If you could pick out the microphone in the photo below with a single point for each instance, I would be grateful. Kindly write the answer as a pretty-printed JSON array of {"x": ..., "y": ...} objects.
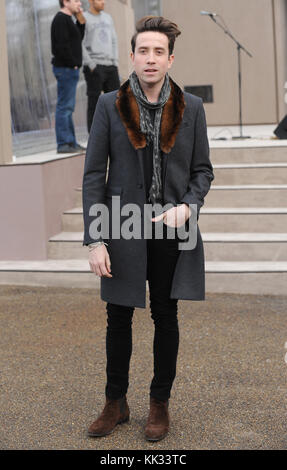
[{"x": 208, "y": 13}]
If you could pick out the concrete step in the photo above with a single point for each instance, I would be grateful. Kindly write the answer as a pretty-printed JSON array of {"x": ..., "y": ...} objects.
[
  {"x": 78, "y": 202},
  {"x": 62, "y": 273},
  {"x": 72, "y": 220},
  {"x": 246, "y": 277},
  {"x": 236, "y": 195},
  {"x": 260, "y": 195},
  {"x": 67, "y": 245},
  {"x": 249, "y": 173},
  {"x": 213, "y": 219},
  {"x": 249, "y": 152},
  {"x": 243, "y": 219},
  {"x": 238, "y": 277},
  {"x": 245, "y": 246},
  {"x": 217, "y": 246}
]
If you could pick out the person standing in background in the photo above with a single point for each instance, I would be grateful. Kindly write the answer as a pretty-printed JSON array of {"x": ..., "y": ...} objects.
[
  {"x": 66, "y": 42},
  {"x": 100, "y": 55}
]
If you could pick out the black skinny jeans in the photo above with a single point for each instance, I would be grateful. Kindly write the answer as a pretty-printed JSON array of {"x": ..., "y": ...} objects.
[
  {"x": 103, "y": 78},
  {"x": 161, "y": 260}
]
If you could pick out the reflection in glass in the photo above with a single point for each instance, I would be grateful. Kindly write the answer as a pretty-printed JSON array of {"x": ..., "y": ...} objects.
[{"x": 33, "y": 87}]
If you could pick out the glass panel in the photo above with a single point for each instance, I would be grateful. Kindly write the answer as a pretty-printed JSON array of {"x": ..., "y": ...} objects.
[
  {"x": 33, "y": 86},
  {"x": 146, "y": 7}
]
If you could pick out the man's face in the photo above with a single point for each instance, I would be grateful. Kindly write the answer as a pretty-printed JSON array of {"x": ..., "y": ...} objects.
[
  {"x": 74, "y": 6},
  {"x": 150, "y": 59},
  {"x": 98, "y": 5}
]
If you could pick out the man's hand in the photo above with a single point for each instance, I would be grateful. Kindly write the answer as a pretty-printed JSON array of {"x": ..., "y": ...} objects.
[
  {"x": 99, "y": 260},
  {"x": 174, "y": 217},
  {"x": 80, "y": 17}
]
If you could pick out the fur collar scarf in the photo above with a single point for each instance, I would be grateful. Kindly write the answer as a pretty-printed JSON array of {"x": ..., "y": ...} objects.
[{"x": 172, "y": 115}]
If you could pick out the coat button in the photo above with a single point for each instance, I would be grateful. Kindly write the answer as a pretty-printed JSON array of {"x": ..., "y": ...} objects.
[{"x": 140, "y": 185}]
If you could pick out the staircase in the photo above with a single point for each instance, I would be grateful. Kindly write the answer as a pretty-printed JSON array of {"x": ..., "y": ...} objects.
[
  {"x": 244, "y": 221},
  {"x": 243, "y": 225}
]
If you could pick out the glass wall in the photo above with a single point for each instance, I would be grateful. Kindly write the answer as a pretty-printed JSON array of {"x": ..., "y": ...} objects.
[
  {"x": 33, "y": 87},
  {"x": 146, "y": 7}
]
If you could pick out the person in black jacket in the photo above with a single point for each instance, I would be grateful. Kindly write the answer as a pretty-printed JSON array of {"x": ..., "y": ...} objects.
[
  {"x": 147, "y": 152},
  {"x": 66, "y": 41}
]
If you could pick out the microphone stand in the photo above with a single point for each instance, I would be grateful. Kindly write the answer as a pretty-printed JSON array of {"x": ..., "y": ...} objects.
[{"x": 239, "y": 47}]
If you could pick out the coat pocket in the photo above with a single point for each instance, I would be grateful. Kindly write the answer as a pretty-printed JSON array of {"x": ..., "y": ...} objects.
[
  {"x": 113, "y": 191},
  {"x": 185, "y": 128}
]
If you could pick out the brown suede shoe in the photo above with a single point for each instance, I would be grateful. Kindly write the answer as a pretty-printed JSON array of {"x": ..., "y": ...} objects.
[
  {"x": 115, "y": 412},
  {"x": 157, "y": 425}
]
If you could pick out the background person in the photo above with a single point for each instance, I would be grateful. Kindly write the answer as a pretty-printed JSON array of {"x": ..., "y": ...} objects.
[
  {"x": 66, "y": 42},
  {"x": 100, "y": 55}
]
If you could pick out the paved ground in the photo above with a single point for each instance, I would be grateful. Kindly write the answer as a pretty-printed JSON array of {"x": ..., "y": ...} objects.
[{"x": 230, "y": 390}]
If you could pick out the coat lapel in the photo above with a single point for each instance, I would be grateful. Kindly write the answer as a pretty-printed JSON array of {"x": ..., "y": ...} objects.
[{"x": 171, "y": 116}]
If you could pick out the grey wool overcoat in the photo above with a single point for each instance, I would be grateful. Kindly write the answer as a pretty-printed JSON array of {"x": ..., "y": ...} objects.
[{"x": 113, "y": 168}]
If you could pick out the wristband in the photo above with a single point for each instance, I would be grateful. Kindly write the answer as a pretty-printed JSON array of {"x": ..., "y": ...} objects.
[{"x": 92, "y": 246}]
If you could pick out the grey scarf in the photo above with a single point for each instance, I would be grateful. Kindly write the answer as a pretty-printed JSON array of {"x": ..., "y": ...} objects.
[{"x": 152, "y": 130}]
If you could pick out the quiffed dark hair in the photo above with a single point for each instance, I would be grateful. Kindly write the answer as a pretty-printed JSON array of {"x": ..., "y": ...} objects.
[{"x": 159, "y": 24}]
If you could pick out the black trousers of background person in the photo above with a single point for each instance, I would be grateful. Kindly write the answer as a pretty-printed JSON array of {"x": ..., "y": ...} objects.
[
  {"x": 161, "y": 261},
  {"x": 102, "y": 78}
]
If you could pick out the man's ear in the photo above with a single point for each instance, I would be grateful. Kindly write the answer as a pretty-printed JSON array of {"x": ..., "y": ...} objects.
[{"x": 170, "y": 60}]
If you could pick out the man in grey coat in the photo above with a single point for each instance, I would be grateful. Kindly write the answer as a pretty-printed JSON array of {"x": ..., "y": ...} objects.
[{"x": 152, "y": 139}]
